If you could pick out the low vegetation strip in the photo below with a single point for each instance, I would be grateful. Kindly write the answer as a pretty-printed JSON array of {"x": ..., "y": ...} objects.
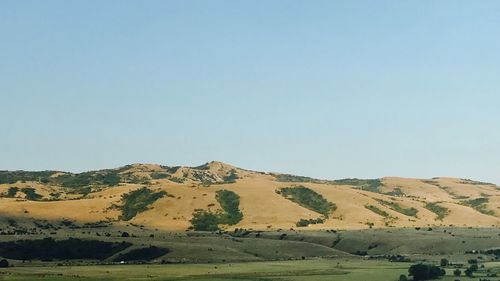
[
  {"x": 412, "y": 212},
  {"x": 142, "y": 254},
  {"x": 49, "y": 249},
  {"x": 138, "y": 201},
  {"x": 103, "y": 177},
  {"x": 479, "y": 204},
  {"x": 308, "y": 198},
  {"x": 209, "y": 221},
  {"x": 372, "y": 185},
  {"x": 440, "y": 211},
  {"x": 307, "y": 222},
  {"x": 473, "y": 182},
  {"x": 11, "y": 177},
  {"x": 293, "y": 178},
  {"x": 377, "y": 210}
]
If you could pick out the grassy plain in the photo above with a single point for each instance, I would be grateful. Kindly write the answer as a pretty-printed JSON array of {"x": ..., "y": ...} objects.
[
  {"x": 313, "y": 270},
  {"x": 306, "y": 255}
]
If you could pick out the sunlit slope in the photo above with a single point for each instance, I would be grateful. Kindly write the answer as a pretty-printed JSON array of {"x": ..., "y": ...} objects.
[{"x": 167, "y": 197}]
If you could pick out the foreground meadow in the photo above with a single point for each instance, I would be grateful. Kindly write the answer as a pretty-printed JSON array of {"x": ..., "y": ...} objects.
[
  {"x": 314, "y": 270},
  {"x": 320, "y": 269}
]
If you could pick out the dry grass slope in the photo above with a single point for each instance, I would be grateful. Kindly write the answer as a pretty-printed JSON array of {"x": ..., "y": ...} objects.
[{"x": 359, "y": 204}]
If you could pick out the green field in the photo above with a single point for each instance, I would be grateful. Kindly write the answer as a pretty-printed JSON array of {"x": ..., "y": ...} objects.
[
  {"x": 274, "y": 270},
  {"x": 355, "y": 255},
  {"x": 317, "y": 269}
]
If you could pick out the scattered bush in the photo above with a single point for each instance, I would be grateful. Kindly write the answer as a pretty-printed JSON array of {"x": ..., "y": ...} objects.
[
  {"x": 412, "y": 212},
  {"x": 377, "y": 211},
  {"x": 307, "y": 222},
  {"x": 372, "y": 185},
  {"x": 473, "y": 182},
  {"x": 292, "y": 178},
  {"x": 309, "y": 199},
  {"x": 398, "y": 258},
  {"x": 472, "y": 261},
  {"x": 469, "y": 272},
  {"x": 479, "y": 204},
  {"x": 395, "y": 192},
  {"x": 361, "y": 253},
  {"x": 158, "y": 175},
  {"x": 4, "y": 263},
  {"x": 440, "y": 211},
  {"x": 177, "y": 180}
]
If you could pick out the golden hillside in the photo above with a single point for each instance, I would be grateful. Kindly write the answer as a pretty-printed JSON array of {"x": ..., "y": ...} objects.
[{"x": 167, "y": 198}]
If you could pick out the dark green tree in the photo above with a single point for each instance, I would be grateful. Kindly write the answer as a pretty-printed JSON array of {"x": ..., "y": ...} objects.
[
  {"x": 205, "y": 221},
  {"x": 425, "y": 272}
]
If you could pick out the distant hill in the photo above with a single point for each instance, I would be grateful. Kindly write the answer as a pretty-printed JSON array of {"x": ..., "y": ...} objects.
[{"x": 218, "y": 195}]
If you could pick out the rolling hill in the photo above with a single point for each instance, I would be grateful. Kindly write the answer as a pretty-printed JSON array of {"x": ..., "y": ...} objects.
[{"x": 218, "y": 195}]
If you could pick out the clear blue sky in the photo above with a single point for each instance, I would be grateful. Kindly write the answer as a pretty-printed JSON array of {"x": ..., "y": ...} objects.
[{"x": 328, "y": 89}]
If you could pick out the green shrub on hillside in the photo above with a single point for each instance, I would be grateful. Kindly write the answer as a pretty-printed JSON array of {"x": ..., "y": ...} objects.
[
  {"x": 104, "y": 177},
  {"x": 307, "y": 222},
  {"x": 412, "y": 212},
  {"x": 377, "y": 211},
  {"x": 208, "y": 221},
  {"x": 308, "y": 198},
  {"x": 372, "y": 185},
  {"x": 395, "y": 192},
  {"x": 229, "y": 202},
  {"x": 138, "y": 201},
  {"x": 473, "y": 182},
  {"x": 159, "y": 175},
  {"x": 205, "y": 221},
  {"x": 440, "y": 211},
  {"x": 479, "y": 204},
  {"x": 12, "y": 191},
  {"x": 31, "y": 194},
  {"x": 11, "y": 177},
  {"x": 177, "y": 180},
  {"x": 293, "y": 178},
  {"x": 231, "y": 177}
]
